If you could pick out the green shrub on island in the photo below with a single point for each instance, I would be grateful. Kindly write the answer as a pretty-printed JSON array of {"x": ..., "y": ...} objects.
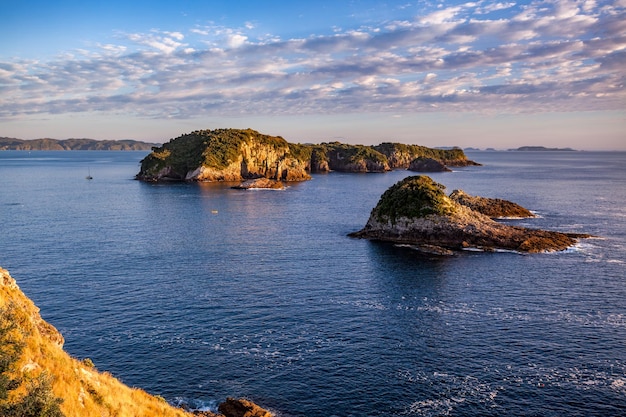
[
  {"x": 414, "y": 196},
  {"x": 351, "y": 154},
  {"x": 300, "y": 152},
  {"x": 401, "y": 155}
]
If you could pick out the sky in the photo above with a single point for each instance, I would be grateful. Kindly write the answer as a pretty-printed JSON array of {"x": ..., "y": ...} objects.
[{"x": 483, "y": 74}]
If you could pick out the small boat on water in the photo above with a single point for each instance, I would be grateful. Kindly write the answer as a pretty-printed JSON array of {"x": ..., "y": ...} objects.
[{"x": 88, "y": 177}]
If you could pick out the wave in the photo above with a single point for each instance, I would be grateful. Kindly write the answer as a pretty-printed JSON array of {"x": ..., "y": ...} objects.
[
  {"x": 550, "y": 316},
  {"x": 365, "y": 304},
  {"x": 450, "y": 392},
  {"x": 195, "y": 404}
]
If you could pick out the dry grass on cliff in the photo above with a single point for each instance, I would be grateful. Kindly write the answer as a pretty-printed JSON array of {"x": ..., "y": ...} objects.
[{"x": 84, "y": 391}]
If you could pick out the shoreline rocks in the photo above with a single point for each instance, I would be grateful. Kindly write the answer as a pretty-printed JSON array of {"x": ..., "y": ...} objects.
[
  {"x": 236, "y": 408},
  {"x": 416, "y": 212},
  {"x": 260, "y": 183}
]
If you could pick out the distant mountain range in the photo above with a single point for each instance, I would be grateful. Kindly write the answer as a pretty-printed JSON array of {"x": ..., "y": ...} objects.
[
  {"x": 540, "y": 149},
  {"x": 47, "y": 144}
]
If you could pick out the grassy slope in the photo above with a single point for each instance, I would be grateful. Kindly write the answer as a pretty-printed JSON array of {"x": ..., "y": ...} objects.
[{"x": 84, "y": 390}]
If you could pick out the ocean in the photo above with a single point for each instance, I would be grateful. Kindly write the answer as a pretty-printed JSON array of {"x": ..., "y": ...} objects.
[{"x": 197, "y": 292}]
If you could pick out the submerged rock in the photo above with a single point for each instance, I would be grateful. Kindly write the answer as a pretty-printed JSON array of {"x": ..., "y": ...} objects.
[
  {"x": 260, "y": 183},
  {"x": 416, "y": 211}
]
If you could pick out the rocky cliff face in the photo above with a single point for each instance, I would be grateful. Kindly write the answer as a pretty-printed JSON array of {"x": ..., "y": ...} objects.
[
  {"x": 38, "y": 378},
  {"x": 226, "y": 155},
  {"x": 416, "y": 212}
]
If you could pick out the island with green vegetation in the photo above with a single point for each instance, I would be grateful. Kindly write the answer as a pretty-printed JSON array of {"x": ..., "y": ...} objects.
[
  {"x": 243, "y": 154},
  {"x": 417, "y": 212},
  {"x": 47, "y": 144}
]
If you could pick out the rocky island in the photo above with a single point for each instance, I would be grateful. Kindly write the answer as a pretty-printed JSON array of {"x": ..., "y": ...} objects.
[
  {"x": 417, "y": 212},
  {"x": 238, "y": 155},
  {"x": 38, "y": 378}
]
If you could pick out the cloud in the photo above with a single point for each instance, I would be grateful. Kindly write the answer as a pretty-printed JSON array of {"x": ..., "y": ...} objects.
[
  {"x": 553, "y": 55},
  {"x": 235, "y": 40},
  {"x": 166, "y": 42},
  {"x": 493, "y": 7}
]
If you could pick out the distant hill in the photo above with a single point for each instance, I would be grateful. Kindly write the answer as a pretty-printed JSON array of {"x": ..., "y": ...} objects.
[
  {"x": 541, "y": 149},
  {"x": 47, "y": 144}
]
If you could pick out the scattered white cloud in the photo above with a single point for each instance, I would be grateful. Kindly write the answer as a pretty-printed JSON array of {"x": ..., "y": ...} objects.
[
  {"x": 235, "y": 40},
  {"x": 493, "y": 7},
  {"x": 552, "y": 55},
  {"x": 166, "y": 42},
  {"x": 441, "y": 16}
]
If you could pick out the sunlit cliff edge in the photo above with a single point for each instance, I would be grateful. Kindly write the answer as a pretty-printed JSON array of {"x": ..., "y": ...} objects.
[{"x": 38, "y": 378}]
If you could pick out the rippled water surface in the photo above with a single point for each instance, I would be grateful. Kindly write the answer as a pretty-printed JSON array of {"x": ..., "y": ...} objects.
[{"x": 197, "y": 291}]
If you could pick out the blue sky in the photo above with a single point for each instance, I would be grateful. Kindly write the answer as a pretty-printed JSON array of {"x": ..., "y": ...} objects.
[{"x": 496, "y": 74}]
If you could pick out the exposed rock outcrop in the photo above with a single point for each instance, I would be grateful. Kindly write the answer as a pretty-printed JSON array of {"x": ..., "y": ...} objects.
[
  {"x": 416, "y": 212},
  {"x": 236, "y": 408},
  {"x": 495, "y": 208},
  {"x": 242, "y": 408}
]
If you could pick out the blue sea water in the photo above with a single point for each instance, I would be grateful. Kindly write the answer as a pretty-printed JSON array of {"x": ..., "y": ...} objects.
[{"x": 197, "y": 292}]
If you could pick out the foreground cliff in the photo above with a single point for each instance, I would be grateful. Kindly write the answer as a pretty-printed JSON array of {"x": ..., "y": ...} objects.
[
  {"x": 38, "y": 378},
  {"x": 417, "y": 212},
  {"x": 238, "y": 155}
]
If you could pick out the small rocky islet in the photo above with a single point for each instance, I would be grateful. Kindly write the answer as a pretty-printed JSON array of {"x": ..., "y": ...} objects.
[{"x": 417, "y": 212}]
